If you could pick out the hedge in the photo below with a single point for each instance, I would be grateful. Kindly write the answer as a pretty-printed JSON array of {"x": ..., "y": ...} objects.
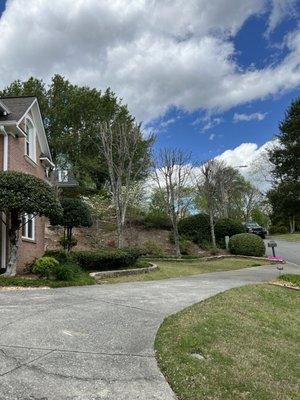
[
  {"x": 106, "y": 259},
  {"x": 227, "y": 227},
  {"x": 247, "y": 244},
  {"x": 195, "y": 228}
]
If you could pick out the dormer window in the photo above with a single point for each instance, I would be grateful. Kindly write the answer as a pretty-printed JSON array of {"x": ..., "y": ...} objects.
[{"x": 30, "y": 139}]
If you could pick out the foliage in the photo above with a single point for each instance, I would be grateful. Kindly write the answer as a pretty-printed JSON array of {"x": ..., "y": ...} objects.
[
  {"x": 45, "y": 267},
  {"x": 285, "y": 193},
  {"x": 75, "y": 213},
  {"x": 227, "y": 227},
  {"x": 278, "y": 229},
  {"x": 151, "y": 248},
  {"x": 63, "y": 241},
  {"x": 106, "y": 259},
  {"x": 247, "y": 244},
  {"x": 195, "y": 228},
  {"x": 67, "y": 271},
  {"x": 59, "y": 255},
  {"x": 71, "y": 115},
  {"x": 81, "y": 280},
  {"x": 157, "y": 220},
  {"x": 20, "y": 192},
  {"x": 186, "y": 245},
  {"x": 294, "y": 279}
]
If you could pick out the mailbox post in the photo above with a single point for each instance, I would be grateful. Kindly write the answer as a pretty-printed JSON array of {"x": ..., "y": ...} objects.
[{"x": 272, "y": 244}]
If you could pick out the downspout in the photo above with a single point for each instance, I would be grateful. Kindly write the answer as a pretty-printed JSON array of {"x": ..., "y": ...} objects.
[{"x": 5, "y": 168}]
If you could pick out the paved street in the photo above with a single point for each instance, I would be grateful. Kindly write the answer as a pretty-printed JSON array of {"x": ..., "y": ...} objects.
[
  {"x": 290, "y": 251},
  {"x": 96, "y": 342}
]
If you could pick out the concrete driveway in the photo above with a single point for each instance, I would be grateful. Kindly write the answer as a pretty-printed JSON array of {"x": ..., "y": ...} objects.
[{"x": 96, "y": 342}]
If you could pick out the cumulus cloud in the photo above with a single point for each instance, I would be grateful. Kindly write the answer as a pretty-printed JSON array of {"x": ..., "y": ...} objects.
[
  {"x": 252, "y": 161},
  {"x": 153, "y": 54},
  {"x": 257, "y": 116}
]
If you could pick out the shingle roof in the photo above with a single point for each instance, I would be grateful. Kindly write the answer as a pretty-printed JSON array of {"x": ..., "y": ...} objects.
[{"x": 17, "y": 107}]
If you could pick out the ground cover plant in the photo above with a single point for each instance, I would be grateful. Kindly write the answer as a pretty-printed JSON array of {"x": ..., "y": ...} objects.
[{"x": 249, "y": 339}]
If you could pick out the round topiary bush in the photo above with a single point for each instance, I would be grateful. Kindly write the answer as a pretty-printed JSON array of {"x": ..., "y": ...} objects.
[
  {"x": 227, "y": 227},
  {"x": 195, "y": 228},
  {"x": 247, "y": 244}
]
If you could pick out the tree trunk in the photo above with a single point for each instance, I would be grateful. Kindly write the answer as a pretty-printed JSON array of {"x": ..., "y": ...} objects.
[
  {"x": 69, "y": 239},
  {"x": 292, "y": 224},
  {"x": 13, "y": 236},
  {"x": 176, "y": 235},
  {"x": 120, "y": 231},
  {"x": 212, "y": 228}
]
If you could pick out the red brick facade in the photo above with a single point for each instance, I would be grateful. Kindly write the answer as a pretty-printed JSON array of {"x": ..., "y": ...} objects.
[{"x": 29, "y": 249}]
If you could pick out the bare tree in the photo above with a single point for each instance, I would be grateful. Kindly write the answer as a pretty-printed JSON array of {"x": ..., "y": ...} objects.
[
  {"x": 210, "y": 186},
  {"x": 172, "y": 174},
  {"x": 126, "y": 154}
]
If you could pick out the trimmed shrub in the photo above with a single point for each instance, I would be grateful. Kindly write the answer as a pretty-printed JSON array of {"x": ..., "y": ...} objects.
[
  {"x": 45, "y": 267},
  {"x": 106, "y": 259},
  {"x": 278, "y": 229},
  {"x": 195, "y": 228},
  {"x": 63, "y": 241},
  {"x": 227, "y": 227},
  {"x": 247, "y": 244},
  {"x": 151, "y": 248}
]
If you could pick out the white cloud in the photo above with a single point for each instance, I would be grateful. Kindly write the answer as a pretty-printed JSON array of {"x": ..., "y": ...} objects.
[
  {"x": 249, "y": 117},
  {"x": 212, "y": 136},
  {"x": 154, "y": 54},
  {"x": 280, "y": 10},
  {"x": 252, "y": 161}
]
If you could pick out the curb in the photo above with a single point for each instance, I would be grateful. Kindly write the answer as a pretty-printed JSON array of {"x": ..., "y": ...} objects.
[{"x": 123, "y": 272}]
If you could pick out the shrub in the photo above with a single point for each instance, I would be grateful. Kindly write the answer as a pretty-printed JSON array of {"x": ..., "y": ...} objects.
[
  {"x": 152, "y": 248},
  {"x": 227, "y": 227},
  {"x": 278, "y": 229},
  {"x": 186, "y": 245},
  {"x": 157, "y": 221},
  {"x": 59, "y": 255},
  {"x": 106, "y": 259},
  {"x": 45, "y": 266},
  {"x": 63, "y": 241},
  {"x": 195, "y": 228},
  {"x": 67, "y": 271},
  {"x": 247, "y": 244}
]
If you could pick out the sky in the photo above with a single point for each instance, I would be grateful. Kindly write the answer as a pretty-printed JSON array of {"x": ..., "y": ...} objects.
[{"x": 213, "y": 78}]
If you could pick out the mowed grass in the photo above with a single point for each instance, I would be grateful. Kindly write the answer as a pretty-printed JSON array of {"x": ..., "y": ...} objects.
[
  {"x": 81, "y": 280},
  {"x": 292, "y": 279},
  {"x": 250, "y": 340},
  {"x": 292, "y": 237},
  {"x": 177, "y": 269}
]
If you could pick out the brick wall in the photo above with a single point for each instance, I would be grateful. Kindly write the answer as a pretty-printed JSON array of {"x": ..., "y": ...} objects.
[{"x": 18, "y": 161}]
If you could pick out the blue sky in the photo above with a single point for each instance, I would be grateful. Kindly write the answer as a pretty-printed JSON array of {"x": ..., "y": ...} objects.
[{"x": 205, "y": 79}]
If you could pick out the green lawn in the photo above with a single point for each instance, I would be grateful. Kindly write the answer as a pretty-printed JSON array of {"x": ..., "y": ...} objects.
[
  {"x": 81, "y": 280},
  {"x": 292, "y": 237},
  {"x": 292, "y": 279},
  {"x": 250, "y": 340},
  {"x": 176, "y": 269}
]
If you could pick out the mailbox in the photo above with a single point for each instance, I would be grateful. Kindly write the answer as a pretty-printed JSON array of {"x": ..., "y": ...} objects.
[{"x": 272, "y": 244}]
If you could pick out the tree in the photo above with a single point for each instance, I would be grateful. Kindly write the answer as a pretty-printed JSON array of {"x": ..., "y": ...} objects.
[
  {"x": 209, "y": 184},
  {"x": 71, "y": 115},
  {"x": 75, "y": 214},
  {"x": 285, "y": 194},
  {"x": 172, "y": 174},
  {"x": 126, "y": 154},
  {"x": 22, "y": 193}
]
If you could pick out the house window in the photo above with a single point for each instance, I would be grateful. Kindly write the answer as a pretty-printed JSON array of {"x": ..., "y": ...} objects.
[
  {"x": 28, "y": 226},
  {"x": 63, "y": 176},
  {"x": 30, "y": 139}
]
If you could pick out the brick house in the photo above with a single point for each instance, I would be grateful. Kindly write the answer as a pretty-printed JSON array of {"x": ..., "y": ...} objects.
[{"x": 24, "y": 148}]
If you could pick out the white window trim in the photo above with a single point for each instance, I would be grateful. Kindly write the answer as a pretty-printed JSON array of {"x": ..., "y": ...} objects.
[
  {"x": 33, "y": 155},
  {"x": 27, "y": 217}
]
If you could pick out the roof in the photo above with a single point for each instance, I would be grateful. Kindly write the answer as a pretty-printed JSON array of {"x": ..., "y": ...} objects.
[{"x": 17, "y": 107}]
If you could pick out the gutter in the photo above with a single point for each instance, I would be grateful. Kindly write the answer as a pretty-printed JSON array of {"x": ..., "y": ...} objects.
[{"x": 5, "y": 148}]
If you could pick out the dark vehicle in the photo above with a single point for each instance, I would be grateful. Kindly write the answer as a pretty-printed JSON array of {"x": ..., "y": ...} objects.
[{"x": 253, "y": 227}]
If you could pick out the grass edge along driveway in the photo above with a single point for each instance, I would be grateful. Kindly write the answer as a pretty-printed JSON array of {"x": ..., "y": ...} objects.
[
  {"x": 249, "y": 338},
  {"x": 178, "y": 269}
]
